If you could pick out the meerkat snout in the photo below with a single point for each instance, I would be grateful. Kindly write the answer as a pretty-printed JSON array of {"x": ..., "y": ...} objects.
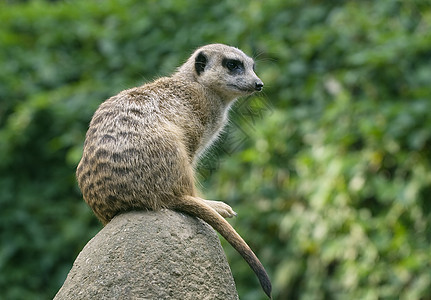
[{"x": 258, "y": 85}]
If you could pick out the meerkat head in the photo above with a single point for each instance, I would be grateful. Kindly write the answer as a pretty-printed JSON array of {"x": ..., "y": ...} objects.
[{"x": 225, "y": 70}]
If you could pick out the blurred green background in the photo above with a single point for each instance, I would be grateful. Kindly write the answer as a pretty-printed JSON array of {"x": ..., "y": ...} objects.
[{"x": 329, "y": 168}]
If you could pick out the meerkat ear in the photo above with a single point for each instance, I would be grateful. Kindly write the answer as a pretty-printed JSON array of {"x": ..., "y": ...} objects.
[{"x": 200, "y": 63}]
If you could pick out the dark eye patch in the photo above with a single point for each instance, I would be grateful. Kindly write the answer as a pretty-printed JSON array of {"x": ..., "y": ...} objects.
[{"x": 233, "y": 65}]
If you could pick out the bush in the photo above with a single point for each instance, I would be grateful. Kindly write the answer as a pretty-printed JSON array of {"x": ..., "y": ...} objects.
[{"x": 329, "y": 169}]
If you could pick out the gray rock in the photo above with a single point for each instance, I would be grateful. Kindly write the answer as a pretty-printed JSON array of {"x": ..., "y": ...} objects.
[{"x": 151, "y": 255}]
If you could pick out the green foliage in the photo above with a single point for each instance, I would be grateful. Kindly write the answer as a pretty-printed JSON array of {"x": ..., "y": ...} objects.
[{"x": 329, "y": 170}]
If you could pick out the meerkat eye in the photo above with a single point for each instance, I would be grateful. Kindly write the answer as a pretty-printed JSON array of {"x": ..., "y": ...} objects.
[{"x": 233, "y": 65}]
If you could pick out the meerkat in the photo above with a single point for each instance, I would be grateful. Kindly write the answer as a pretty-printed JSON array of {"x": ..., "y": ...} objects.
[{"x": 142, "y": 145}]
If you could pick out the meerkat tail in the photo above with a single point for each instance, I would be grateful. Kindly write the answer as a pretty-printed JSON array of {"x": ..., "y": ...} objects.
[{"x": 198, "y": 208}]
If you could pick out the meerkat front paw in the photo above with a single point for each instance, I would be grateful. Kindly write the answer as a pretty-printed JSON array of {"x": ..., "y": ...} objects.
[{"x": 222, "y": 208}]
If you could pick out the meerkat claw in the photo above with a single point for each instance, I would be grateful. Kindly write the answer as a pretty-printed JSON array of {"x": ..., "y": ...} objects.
[{"x": 222, "y": 208}]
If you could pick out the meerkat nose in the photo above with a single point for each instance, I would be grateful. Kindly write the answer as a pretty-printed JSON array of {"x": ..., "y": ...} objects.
[{"x": 258, "y": 85}]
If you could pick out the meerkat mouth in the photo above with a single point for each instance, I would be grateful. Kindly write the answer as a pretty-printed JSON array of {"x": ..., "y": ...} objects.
[{"x": 242, "y": 89}]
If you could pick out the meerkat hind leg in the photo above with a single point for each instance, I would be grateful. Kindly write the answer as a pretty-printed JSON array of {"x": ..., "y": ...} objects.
[{"x": 222, "y": 208}]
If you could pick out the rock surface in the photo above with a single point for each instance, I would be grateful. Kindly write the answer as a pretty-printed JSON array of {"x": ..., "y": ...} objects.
[{"x": 151, "y": 255}]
